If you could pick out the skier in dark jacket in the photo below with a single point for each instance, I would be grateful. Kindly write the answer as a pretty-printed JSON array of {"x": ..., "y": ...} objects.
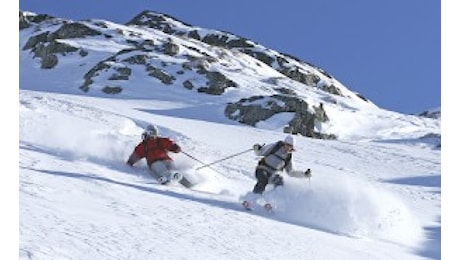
[{"x": 277, "y": 157}]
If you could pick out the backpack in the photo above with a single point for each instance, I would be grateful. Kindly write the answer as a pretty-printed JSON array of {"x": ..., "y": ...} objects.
[{"x": 275, "y": 149}]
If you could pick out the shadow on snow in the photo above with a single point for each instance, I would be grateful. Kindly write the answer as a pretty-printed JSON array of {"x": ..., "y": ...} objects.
[{"x": 172, "y": 193}]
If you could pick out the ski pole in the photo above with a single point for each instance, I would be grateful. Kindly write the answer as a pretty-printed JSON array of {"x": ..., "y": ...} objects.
[
  {"x": 190, "y": 156},
  {"x": 193, "y": 157},
  {"x": 309, "y": 178},
  {"x": 223, "y": 159}
]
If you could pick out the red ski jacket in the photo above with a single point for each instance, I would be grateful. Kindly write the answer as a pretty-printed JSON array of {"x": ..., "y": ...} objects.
[{"x": 153, "y": 149}]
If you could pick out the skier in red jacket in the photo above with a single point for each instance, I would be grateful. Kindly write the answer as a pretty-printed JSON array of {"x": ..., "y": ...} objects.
[{"x": 155, "y": 150}]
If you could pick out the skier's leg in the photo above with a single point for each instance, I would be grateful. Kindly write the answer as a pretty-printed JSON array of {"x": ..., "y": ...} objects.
[
  {"x": 154, "y": 171},
  {"x": 173, "y": 174},
  {"x": 160, "y": 171},
  {"x": 251, "y": 198},
  {"x": 262, "y": 181},
  {"x": 276, "y": 180},
  {"x": 268, "y": 197},
  {"x": 165, "y": 172}
]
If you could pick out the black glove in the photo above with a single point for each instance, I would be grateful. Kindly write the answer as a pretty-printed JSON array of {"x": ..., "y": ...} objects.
[
  {"x": 176, "y": 148},
  {"x": 308, "y": 173},
  {"x": 257, "y": 147}
]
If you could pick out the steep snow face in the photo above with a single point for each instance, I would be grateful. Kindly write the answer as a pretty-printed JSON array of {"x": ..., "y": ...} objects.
[{"x": 78, "y": 199}]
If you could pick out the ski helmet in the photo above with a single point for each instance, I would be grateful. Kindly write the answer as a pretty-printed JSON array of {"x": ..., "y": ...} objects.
[
  {"x": 289, "y": 140},
  {"x": 151, "y": 131}
]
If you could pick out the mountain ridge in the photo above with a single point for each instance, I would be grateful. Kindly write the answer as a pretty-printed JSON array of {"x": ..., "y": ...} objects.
[{"x": 252, "y": 83}]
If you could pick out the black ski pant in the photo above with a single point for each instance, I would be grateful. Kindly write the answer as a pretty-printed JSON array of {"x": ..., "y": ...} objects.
[{"x": 263, "y": 178}]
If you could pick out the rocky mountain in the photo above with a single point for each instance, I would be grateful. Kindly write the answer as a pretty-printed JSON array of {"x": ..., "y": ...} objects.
[
  {"x": 432, "y": 113},
  {"x": 252, "y": 83}
]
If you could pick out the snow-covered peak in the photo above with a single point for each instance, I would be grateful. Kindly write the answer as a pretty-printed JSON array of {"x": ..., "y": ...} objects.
[{"x": 157, "y": 56}]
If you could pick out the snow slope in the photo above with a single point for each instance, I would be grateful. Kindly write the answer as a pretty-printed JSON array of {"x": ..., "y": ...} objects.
[{"x": 78, "y": 200}]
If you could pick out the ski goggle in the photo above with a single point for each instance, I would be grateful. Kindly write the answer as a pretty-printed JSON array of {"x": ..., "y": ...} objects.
[
  {"x": 150, "y": 133},
  {"x": 289, "y": 146}
]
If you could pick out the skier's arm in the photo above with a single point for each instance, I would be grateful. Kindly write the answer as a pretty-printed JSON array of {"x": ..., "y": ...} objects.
[
  {"x": 136, "y": 155},
  {"x": 291, "y": 172},
  {"x": 299, "y": 174},
  {"x": 260, "y": 150},
  {"x": 133, "y": 158},
  {"x": 296, "y": 174},
  {"x": 172, "y": 146}
]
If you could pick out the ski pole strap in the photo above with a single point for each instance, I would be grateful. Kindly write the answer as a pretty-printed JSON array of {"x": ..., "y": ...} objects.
[{"x": 223, "y": 159}]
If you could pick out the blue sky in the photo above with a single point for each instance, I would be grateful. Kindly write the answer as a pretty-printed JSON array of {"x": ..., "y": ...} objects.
[{"x": 389, "y": 51}]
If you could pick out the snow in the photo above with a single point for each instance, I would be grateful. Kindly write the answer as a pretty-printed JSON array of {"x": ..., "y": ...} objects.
[
  {"x": 78, "y": 200},
  {"x": 375, "y": 192}
]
